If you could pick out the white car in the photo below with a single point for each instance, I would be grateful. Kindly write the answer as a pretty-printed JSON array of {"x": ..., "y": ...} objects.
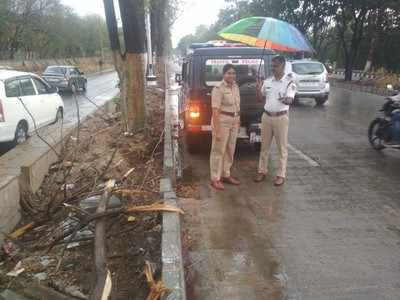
[
  {"x": 311, "y": 79},
  {"x": 26, "y": 99}
]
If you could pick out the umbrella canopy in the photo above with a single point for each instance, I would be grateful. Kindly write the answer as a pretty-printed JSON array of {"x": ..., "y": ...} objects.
[{"x": 267, "y": 32}]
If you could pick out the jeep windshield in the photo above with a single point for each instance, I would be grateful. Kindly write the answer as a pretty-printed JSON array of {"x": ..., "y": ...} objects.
[
  {"x": 308, "y": 68},
  {"x": 56, "y": 70},
  {"x": 246, "y": 70}
]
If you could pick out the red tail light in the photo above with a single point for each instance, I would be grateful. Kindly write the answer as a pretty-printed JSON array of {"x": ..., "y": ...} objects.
[
  {"x": 2, "y": 118},
  {"x": 194, "y": 109}
]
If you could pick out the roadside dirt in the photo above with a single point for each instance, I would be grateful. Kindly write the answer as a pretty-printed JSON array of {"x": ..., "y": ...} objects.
[{"x": 100, "y": 152}]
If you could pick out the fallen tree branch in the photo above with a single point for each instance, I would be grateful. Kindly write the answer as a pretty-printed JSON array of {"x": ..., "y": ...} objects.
[
  {"x": 114, "y": 212},
  {"x": 103, "y": 286}
]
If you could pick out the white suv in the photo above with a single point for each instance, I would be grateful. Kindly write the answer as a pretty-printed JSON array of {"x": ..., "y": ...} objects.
[
  {"x": 26, "y": 99},
  {"x": 311, "y": 79}
]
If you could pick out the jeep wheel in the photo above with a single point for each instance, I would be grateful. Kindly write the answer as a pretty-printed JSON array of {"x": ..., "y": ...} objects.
[{"x": 321, "y": 100}]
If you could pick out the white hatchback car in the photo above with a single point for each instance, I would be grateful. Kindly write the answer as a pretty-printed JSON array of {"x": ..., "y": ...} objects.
[
  {"x": 26, "y": 101},
  {"x": 311, "y": 79}
]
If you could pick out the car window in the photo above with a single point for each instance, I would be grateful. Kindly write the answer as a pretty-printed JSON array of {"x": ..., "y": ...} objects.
[
  {"x": 13, "y": 89},
  {"x": 41, "y": 87},
  {"x": 73, "y": 71},
  {"x": 307, "y": 68},
  {"x": 56, "y": 70},
  {"x": 246, "y": 69},
  {"x": 27, "y": 88}
]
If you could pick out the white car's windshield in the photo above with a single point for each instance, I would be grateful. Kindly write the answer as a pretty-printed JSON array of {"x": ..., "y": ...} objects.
[{"x": 308, "y": 68}]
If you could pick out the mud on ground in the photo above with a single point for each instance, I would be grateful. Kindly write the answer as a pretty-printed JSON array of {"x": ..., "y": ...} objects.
[{"x": 100, "y": 152}]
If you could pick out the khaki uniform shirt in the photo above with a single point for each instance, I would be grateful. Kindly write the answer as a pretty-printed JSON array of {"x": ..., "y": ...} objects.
[
  {"x": 274, "y": 89},
  {"x": 226, "y": 98}
]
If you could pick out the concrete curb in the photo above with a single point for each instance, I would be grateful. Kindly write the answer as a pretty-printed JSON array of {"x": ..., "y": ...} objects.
[{"x": 172, "y": 262}]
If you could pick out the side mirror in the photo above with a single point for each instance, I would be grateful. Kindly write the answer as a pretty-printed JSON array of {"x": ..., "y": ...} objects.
[{"x": 178, "y": 78}]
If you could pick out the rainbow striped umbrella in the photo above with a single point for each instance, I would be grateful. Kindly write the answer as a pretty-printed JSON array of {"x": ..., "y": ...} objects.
[{"x": 268, "y": 33}]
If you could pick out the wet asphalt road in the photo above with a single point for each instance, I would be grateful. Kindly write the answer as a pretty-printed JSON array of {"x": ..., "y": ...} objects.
[
  {"x": 100, "y": 88},
  {"x": 331, "y": 232}
]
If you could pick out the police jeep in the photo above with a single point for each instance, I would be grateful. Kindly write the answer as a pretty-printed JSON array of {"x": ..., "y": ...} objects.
[{"x": 201, "y": 71}]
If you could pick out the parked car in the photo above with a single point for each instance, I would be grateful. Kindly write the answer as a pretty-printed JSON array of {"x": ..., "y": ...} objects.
[
  {"x": 311, "y": 78},
  {"x": 201, "y": 71},
  {"x": 65, "y": 78},
  {"x": 26, "y": 98}
]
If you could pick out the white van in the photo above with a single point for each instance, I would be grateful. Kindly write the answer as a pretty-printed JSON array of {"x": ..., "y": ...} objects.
[
  {"x": 311, "y": 79},
  {"x": 26, "y": 99}
]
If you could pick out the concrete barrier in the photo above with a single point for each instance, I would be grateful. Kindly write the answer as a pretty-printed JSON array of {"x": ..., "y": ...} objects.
[
  {"x": 171, "y": 247},
  {"x": 24, "y": 168}
]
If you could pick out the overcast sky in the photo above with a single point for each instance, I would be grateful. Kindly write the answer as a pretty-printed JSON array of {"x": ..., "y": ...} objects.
[{"x": 193, "y": 13}]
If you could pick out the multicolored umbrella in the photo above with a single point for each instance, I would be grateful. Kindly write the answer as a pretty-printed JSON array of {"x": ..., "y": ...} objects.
[{"x": 268, "y": 33}]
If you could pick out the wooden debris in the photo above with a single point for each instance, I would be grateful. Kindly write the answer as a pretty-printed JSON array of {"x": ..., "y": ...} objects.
[
  {"x": 103, "y": 286},
  {"x": 157, "y": 289},
  {"x": 131, "y": 192},
  {"x": 154, "y": 207},
  {"x": 128, "y": 173},
  {"x": 20, "y": 231}
]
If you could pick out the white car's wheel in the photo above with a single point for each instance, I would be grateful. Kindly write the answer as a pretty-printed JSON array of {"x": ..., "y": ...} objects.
[
  {"x": 21, "y": 133},
  {"x": 59, "y": 115}
]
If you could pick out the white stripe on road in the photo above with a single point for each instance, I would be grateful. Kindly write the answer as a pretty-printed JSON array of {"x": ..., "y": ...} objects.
[{"x": 312, "y": 162}]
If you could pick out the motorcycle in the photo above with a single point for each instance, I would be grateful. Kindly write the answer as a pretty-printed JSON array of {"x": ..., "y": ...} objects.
[{"x": 384, "y": 131}]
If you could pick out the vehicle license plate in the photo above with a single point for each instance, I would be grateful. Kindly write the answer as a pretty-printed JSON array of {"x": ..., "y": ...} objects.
[{"x": 205, "y": 127}]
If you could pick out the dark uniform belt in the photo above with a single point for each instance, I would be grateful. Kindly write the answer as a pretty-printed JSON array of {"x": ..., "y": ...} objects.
[
  {"x": 276, "y": 114},
  {"x": 231, "y": 114}
]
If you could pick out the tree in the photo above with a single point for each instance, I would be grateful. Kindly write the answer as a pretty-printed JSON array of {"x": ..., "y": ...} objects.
[
  {"x": 130, "y": 64},
  {"x": 32, "y": 29},
  {"x": 163, "y": 14}
]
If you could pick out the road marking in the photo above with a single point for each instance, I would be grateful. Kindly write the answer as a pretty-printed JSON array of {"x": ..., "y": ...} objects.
[{"x": 312, "y": 162}]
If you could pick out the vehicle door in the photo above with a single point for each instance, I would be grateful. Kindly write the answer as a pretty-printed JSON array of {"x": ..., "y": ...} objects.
[
  {"x": 13, "y": 109},
  {"x": 183, "y": 90},
  {"x": 33, "y": 103},
  {"x": 49, "y": 108}
]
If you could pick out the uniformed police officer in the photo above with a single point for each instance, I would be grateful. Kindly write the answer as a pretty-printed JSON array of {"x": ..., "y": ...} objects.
[
  {"x": 225, "y": 102},
  {"x": 279, "y": 92}
]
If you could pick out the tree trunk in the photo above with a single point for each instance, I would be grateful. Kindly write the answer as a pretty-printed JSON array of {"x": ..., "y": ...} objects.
[
  {"x": 132, "y": 15},
  {"x": 130, "y": 66},
  {"x": 374, "y": 40},
  {"x": 134, "y": 87},
  {"x": 348, "y": 73}
]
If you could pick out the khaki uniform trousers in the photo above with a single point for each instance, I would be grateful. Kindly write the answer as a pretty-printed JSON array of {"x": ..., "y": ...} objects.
[
  {"x": 274, "y": 127},
  {"x": 223, "y": 149}
]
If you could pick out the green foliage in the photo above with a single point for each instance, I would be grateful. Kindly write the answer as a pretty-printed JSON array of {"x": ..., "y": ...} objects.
[
  {"x": 46, "y": 28},
  {"x": 340, "y": 30}
]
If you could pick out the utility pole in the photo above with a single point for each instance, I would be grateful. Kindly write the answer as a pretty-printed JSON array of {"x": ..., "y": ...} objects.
[{"x": 151, "y": 78}]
